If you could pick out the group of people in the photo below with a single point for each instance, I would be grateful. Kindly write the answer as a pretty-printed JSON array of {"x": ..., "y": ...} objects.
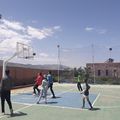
[
  {"x": 45, "y": 82},
  {"x": 84, "y": 89}
]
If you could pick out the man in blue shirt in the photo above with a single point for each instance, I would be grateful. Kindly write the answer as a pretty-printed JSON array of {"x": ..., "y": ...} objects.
[{"x": 50, "y": 83}]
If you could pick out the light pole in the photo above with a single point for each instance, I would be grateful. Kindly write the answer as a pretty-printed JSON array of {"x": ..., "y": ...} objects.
[
  {"x": 110, "y": 49},
  {"x": 58, "y": 46},
  {"x": 93, "y": 63},
  {"x": 0, "y": 16}
]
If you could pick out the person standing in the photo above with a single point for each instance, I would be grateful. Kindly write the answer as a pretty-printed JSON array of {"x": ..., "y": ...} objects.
[
  {"x": 50, "y": 83},
  {"x": 6, "y": 85},
  {"x": 85, "y": 93},
  {"x": 38, "y": 82}
]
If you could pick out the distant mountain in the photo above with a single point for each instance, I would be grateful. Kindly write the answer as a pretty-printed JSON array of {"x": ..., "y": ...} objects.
[
  {"x": 51, "y": 66},
  {"x": 45, "y": 66}
]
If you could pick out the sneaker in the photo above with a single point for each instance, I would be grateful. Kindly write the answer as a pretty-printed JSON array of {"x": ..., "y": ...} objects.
[
  {"x": 3, "y": 113},
  {"x": 11, "y": 112},
  {"x": 53, "y": 97},
  {"x": 91, "y": 108},
  {"x": 34, "y": 94},
  {"x": 38, "y": 102}
]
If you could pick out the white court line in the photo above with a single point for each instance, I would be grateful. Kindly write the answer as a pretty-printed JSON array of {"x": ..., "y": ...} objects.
[
  {"x": 45, "y": 105},
  {"x": 108, "y": 107},
  {"x": 96, "y": 99},
  {"x": 30, "y": 105},
  {"x": 18, "y": 110}
]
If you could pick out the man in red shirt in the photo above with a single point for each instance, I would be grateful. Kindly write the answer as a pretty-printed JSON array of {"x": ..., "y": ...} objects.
[{"x": 38, "y": 81}]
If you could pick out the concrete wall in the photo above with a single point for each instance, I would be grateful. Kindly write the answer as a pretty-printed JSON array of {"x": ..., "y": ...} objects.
[{"x": 24, "y": 76}]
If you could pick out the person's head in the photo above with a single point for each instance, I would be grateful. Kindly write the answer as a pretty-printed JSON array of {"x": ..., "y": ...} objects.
[
  {"x": 85, "y": 80},
  {"x": 7, "y": 72},
  {"x": 40, "y": 73},
  {"x": 49, "y": 72},
  {"x": 45, "y": 76}
]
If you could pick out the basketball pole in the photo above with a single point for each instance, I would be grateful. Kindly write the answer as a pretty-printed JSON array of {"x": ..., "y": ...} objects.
[
  {"x": 6, "y": 61},
  {"x": 93, "y": 63},
  {"x": 58, "y": 46}
]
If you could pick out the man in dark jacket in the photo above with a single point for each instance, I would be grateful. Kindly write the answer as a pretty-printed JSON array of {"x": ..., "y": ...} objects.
[{"x": 6, "y": 85}]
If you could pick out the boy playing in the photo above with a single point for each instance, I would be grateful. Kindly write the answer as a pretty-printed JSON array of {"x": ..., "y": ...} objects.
[{"x": 44, "y": 88}]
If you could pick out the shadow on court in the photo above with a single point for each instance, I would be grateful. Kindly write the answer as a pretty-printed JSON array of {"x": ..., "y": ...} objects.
[
  {"x": 52, "y": 102},
  {"x": 18, "y": 114},
  {"x": 95, "y": 109}
]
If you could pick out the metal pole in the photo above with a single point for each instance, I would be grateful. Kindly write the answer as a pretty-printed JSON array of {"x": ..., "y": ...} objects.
[
  {"x": 58, "y": 46},
  {"x": 93, "y": 63},
  {"x": 5, "y": 63}
]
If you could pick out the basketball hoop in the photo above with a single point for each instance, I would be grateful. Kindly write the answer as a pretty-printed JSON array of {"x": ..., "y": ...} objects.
[{"x": 24, "y": 51}]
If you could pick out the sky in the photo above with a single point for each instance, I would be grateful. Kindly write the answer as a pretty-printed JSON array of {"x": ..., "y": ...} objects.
[{"x": 84, "y": 29}]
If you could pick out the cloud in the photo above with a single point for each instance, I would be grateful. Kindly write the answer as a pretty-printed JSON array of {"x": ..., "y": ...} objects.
[
  {"x": 13, "y": 25},
  {"x": 102, "y": 31},
  {"x": 12, "y": 32},
  {"x": 99, "y": 31},
  {"x": 41, "y": 33},
  {"x": 43, "y": 55},
  {"x": 89, "y": 28}
]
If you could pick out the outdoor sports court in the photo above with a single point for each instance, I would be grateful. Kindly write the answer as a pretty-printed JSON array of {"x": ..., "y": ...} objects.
[{"x": 67, "y": 105}]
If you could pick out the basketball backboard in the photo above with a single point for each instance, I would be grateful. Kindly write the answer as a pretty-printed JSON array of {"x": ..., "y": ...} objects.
[{"x": 24, "y": 51}]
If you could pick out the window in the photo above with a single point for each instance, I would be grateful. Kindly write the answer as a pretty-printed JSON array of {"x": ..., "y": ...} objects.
[
  {"x": 115, "y": 73},
  {"x": 106, "y": 72},
  {"x": 99, "y": 72}
]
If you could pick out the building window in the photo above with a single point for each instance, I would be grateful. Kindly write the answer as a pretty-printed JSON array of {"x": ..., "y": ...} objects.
[
  {"x": 115, "y": 73},
  {"x": 106, "y": 72},
  {"x": 99, "y": 72}
]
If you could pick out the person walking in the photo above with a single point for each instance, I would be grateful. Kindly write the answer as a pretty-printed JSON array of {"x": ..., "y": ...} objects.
[
  {"x": 44, "y": 88},
  {"x": 6, "y": 85},
  {"x": 50, "y": 83},
  {"x": 38, "y": 82},
  {"x": 85, "y": 92}
]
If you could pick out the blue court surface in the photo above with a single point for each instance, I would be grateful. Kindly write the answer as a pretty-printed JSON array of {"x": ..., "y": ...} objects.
[{"x": 67, "y": 99}]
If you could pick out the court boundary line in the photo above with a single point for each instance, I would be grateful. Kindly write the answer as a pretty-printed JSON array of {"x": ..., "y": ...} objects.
[
  {"x": 17, "y": 110},
  {"x": 108, "y": 107},
  {"x": 96, "y": 99},
  {"x": 70, "y": 108},
  {"x": 55, "y": 105},
  {"x": 27, "y": 106}
]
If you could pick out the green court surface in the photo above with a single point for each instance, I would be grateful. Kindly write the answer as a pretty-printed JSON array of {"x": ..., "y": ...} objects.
[{"x": 106, "y": 106}]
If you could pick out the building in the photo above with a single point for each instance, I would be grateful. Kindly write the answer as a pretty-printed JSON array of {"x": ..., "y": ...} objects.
[{"x": 107, "y": 70}]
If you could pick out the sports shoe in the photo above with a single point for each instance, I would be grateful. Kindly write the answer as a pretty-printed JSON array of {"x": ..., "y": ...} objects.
[
  {"x": 11, "y": 112},
  {"x": 38, "y": 102},
  {"x": 53, "y": 97},
  {"x": 3, "y": 113},
  {"x": 91, "y": 108}
]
